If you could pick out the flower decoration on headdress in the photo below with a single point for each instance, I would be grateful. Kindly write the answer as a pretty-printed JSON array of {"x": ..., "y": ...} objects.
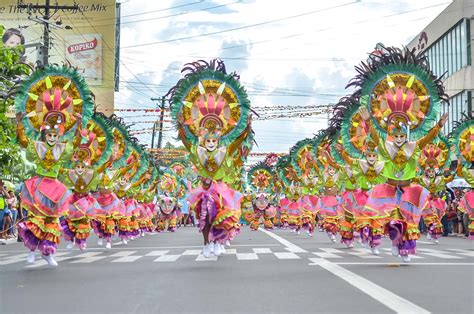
[
  {"x": 463, "y": 139},
  {"x": 400, "y": 92},
  {"x": 370, "y": 147},
  {"x": 208, "y": 98},
  {"x": 50, "y": 97},
  {"x": 430, "y": 156}
]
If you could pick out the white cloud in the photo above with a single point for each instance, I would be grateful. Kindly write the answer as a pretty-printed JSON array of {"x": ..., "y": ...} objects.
[{"x": 314, "y": 53}]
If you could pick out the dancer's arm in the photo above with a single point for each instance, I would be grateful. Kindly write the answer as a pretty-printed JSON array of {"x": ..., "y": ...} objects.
[
  {"x": 364, "y": 114},
  {"x": 425, "y": 140}
]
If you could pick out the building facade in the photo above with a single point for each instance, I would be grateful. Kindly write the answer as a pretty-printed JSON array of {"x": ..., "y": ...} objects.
[{"x": 447, "y": 42}]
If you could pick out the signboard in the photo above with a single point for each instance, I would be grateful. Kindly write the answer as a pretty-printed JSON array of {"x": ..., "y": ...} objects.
[{"x": 83, "y": 38}]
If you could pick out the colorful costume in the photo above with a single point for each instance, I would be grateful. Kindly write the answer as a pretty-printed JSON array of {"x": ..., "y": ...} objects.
[
  {"x": 95, "y": 149},
  {"x": 61, "y": 92},
  {"x": 401, "y": 96},
  {"x": 463, "y": 138},
  {"x": 433, "y": 157},
  {"x": 260, "y": 181},
  {"x": 212, "y": 113}
]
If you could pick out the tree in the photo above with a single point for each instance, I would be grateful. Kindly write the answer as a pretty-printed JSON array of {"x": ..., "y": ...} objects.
[{"x": 12, "y": 71}]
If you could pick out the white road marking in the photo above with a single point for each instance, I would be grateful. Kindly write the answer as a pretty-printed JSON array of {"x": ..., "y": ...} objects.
[
  {"x": 326, "y": 255},
  {"x": 167, "y": 258},
  {"x": 13, "y": 259},
  {"x": 362, "y": 253},
  {"x": 123, "y": 253},
  {"x": 289, "y": 246},
  {"x": 382, "y": 295},
  {"x": 58, "y": 257},
  {"x": 192, "y": 252},
  {"x": 402, "y": 264},
  {"x": 424, "y": 242},
  {"x": 263, "y": 250},
  {"x": 438, "y": 253},
  {"x": 201, "y": 258},
  {"x": 87, "y": 260},
  {"x": 230, "y": 251},
  {"x": 157, "y": 253},
  {"x": 88, "y": 257},
  {"x": 286, "y": 255},
  {"x": 127, "y": 259},
  {"x": 103, "y": 249},
  {"x": 247, "y": 256},
  {"x": 463, "y": 252}
]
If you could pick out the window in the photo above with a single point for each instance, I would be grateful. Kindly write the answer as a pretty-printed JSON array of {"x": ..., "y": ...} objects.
[{"x": 451, "y": 52}]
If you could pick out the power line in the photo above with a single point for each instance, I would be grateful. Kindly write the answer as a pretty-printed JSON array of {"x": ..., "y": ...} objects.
[{"x": 242, "y": 27}]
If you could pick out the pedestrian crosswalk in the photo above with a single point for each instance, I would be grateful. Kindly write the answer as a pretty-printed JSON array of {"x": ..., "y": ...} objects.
[{"x": 241, "y": 254}]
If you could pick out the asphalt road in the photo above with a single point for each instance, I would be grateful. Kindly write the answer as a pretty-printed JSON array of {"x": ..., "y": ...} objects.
[{"x": 262, "y": 272}]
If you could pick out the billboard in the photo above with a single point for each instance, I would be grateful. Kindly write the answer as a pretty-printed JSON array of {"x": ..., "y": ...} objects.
[{"x": 84, "y": 38}]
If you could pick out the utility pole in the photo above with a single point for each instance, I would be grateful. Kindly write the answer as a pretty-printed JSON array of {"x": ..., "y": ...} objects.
[
  {"x": 162, "y": 117},
  {"x": 47, "y": 8}
]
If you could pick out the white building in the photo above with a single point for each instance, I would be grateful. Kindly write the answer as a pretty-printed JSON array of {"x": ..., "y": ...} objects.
[{"x": 447, "y": 42}]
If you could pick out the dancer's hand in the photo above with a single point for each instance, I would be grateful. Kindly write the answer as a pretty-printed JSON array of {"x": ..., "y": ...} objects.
[
  {"x": 19, "y": 116},
  {"x": 443, "y": 120},
  {"x": 78, "y": 117},
  {"x": 338, "y": 147}
]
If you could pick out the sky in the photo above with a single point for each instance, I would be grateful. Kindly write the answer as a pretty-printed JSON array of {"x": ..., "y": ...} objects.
[{"x": 290, "y": 53}]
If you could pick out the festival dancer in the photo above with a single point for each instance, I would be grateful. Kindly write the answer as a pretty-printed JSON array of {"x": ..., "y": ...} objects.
[
  {"x": 260, "y": 181},
  {"x": 44, "y": 196},
  {"x": 303, "y": 160},
  {"x": 126, "y": 191},
  {"x": 366, "y": 172},
  {"x": 463, "y": 138},
  {"x": 433, "y": 157},
  {"x": 400, "y": 107},
  {"x": 169, "y": 189},
  {"x": 94, "y": 149},
  {"x": 212, "y": 113}
]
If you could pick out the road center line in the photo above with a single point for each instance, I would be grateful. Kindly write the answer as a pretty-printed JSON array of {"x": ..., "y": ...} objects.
[
  {"x": 380, "y": 294},
  {"x": 290, "y": 246}
]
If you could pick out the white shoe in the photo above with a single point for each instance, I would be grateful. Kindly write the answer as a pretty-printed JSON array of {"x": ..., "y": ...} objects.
[
  {"x": 206, "y": 251},
  {"x": 108, "y": 245},
  {"x": 395, "y": 251},
  {"x": 132, "y": 238},
  {"x": 227, "y": 243},
  {"x": 212, "y": 247},
  {"x": 222, "y": 248},
  {"x": 406, "y": 259},
  {"x": 50, "y": 260},
  {"x": 31, "y": 258},
  {"x": 100, "y": 242},
  {"x": 298, "y": 232},
  {"x": 124, "y": 241},
  {"x": 428, "y": 236},
  {"x": 332, "y": 237},
  {"x": 292, "y": 230},
  {"x": 217, "y": 250},
  {"x": 375, "y": 251},
  {"x": 436, "y": 241},
  {"x": 350, "y": 245},
  {"x": 70, "y": 245},
  {"x": 310, "y": 234}
]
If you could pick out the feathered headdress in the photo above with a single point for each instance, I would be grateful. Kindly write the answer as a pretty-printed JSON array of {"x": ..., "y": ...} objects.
[
  {"x": 400, "y": 92},
  {"x": 50, "y": 97},
  {"x": 208, "y": 98},
  {"x": 463, "y": 139}
]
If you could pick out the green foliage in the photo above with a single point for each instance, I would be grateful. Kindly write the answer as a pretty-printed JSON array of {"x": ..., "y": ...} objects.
[{"x": 12, "y": 70}]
